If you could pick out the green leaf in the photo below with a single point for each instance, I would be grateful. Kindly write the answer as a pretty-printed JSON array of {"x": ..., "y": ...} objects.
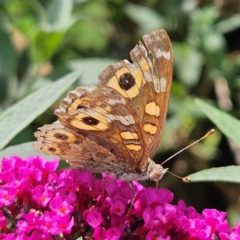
[
  {"x": 44, "y": 45},
  {"x": 89, "y": 76},
  {"x": 229, "y": 24},
  {"x": 92, "y": 30},
  {"x": 205, "y": 36},
  {"x": 233, "y": 213},
  {"x": 23, "y": 150},
  {"x": 221, "y": 174},
  {"x": 19, "y": 115},
  {"x": 188, "y": 62},
  {"x": 228, "y": 125},
  {"x": 8, "y": 54},
  {"x": 59, "y": 14},
  {"x": 146, "y": 18}
]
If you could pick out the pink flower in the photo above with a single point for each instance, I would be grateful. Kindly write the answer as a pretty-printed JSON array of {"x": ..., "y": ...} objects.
[
  {"x": 38, "y": 202},
  {"x": 3, "y": 222},
  {"x": 28, "y": 223},
  {"x": 93, "y": 218},
  {"x": 118, "y": 206},
  {"x": 7, "y": 195},
  {"x": 62, "y": 224},
  {"x": 46, "y": 222},
  {"x": 152, "y": 235},
  {"x": 42, "y": 194},
  {"x": 99, "y": 233},
  {"x": 38, "y": 234},
  {"x": 235, "y": 233},
  {"x": 60, "y": 206},
  {"x": 112, "y": 234}
]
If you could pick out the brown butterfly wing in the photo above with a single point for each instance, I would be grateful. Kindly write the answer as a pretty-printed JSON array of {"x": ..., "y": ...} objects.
[
  {"x": 105, "y": 117},
  {"x": 145, "y": 83},
  {"x": 123, "y": 118},
  {"x": 55, "y": 139},
  {"x": 159, "y": 46}
]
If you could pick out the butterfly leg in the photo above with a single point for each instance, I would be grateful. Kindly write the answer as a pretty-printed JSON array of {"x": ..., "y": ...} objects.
[
  {"x": 133, "y": 199},
  {"x": 103, "y": 189}
]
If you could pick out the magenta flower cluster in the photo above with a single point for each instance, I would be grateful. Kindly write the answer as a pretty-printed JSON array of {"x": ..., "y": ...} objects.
[{"x": 38, "y": 202}]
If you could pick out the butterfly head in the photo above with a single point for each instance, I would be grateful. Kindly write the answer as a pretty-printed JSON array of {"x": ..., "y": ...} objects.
[{"x": 155, "y": 171}]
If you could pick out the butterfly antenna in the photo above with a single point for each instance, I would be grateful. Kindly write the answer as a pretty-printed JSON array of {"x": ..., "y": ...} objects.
[
  {"x": 187, "y": 179},
  {"x": 190, "y": 145}
]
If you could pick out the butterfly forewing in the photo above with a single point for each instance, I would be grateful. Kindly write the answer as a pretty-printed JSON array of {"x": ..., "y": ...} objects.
[
  {"x": 159, "y": 46},
  {"x": 145, "y": 83}
]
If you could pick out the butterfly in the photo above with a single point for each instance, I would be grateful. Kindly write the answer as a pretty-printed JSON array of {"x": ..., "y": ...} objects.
[{"x": 116, "y": 127}]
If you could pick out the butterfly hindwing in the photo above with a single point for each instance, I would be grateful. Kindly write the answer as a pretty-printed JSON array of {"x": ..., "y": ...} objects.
[{"x": 82, "y": 153}]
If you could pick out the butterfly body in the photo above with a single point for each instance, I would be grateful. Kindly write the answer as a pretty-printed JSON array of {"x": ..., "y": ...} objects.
[{"x": 116, "y": 127}]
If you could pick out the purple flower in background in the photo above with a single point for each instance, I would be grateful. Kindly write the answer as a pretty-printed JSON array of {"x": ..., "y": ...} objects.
[{"x": 38, "y": 202}]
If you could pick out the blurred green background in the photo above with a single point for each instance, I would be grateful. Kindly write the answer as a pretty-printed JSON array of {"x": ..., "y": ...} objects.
[{"x": 41, "y": 41}]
